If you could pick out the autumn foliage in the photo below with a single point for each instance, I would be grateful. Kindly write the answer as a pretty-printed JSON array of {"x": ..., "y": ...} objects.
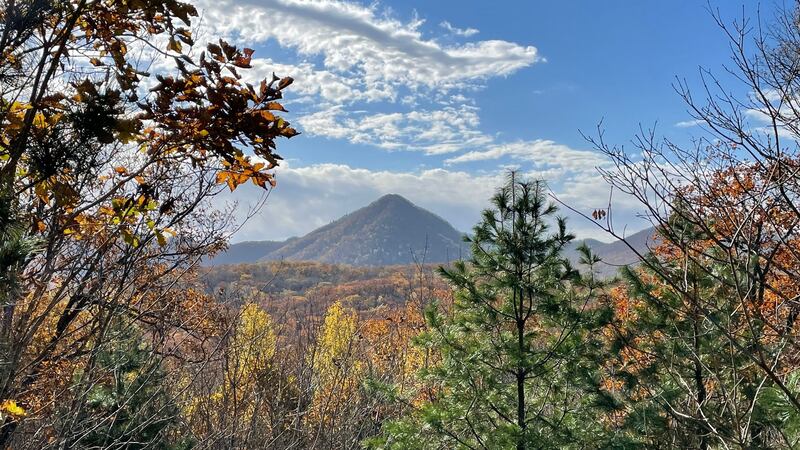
[
  {"x": 117, "y": 130},
  {"x": 105, "y": 174}
]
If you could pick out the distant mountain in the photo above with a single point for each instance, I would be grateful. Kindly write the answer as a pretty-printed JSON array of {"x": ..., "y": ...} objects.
[
  {"x": 614, "y": 254},
  {"x": 246, "y": 252},
  {"x": 390, "y": 230}
]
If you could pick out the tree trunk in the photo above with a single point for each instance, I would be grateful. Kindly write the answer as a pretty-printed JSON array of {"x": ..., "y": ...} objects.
[{"x": 521, "y": 386}]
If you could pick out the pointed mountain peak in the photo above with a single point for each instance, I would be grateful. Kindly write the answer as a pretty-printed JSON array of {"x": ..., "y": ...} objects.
[
  {"x": 390, "y": 230},
  {"x": 390, "y": 199}
]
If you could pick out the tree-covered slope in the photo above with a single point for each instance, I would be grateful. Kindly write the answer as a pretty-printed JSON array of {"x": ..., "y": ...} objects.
[{"x": 390, "y": 230}]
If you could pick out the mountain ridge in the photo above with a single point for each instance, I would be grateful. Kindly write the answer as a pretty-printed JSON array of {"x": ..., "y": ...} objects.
[
  {"x": 394, "y": 231},
  {"x": 614, "y": 254},
  {"x": 391, "y": 230}
]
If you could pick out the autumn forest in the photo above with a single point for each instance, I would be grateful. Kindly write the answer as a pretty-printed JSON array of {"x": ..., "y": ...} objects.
[{"x": 120, "y": 126}]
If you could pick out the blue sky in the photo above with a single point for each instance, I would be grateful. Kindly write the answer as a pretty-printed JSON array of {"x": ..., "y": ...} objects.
[{"x": 436, "y": 100}]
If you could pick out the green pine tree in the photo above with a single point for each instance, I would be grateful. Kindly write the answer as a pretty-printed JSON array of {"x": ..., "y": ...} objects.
[
  {"x": 512, "y": 349},
  {"x": 127, "y": 406}
]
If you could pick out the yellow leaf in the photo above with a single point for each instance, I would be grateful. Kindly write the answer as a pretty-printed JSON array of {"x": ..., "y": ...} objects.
[
  {"x": 52, "y": 120},
  {"x": 41, "y": 191},
  {"x": 11, "y": 407},
  {"x": 162, "y": 241},
  {"x": 174, "y": 45},
  {"x": 39, "y": 121},
  {"x": 20, "y": 106}
]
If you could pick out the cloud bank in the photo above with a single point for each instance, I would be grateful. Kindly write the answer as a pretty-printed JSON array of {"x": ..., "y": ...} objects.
[{"x": 384, "y": 54}]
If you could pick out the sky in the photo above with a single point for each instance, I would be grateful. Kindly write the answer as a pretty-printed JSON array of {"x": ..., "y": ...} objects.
[{"x": 437, "y": 100}]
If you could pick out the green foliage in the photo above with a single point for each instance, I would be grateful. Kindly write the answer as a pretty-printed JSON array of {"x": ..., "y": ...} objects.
[
  {"x": 776, "y": 411},
  {"x": 16, "y": 247},
  {"x": 127, "y": 406},
  {"x": 512, "y": 350}
]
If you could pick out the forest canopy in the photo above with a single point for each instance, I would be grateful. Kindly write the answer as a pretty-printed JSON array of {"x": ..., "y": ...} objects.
[{"x": 118, "y": 129}]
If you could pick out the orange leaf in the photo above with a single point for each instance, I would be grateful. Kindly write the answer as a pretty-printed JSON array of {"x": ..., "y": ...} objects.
[
  {"x": 285, "y": 82},
  {"x": 275, "y": 106}
]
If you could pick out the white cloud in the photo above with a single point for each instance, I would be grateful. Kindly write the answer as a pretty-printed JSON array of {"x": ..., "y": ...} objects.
[
  {"x": 544, "y": 154},
  {"x": 353, "y": 39},
  {"x": 465, "y": 32},
  {"x": 782, "y": 110},
  {"x": 437, "y": 131},
  {"x": 309, "y": 197},
  {"x": 689, "y": 123},
  {"x": 311, "y": 83}
]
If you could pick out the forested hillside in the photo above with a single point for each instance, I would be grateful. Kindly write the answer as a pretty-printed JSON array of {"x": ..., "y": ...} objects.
[
  {"x": 391, "y": 230},
  {"x": 283, "y": 287}
]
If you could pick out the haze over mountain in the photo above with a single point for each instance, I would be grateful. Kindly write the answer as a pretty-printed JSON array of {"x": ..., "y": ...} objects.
[
  {"x": 246, "y": 252},
  {"x": 390, "y": 230}
]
